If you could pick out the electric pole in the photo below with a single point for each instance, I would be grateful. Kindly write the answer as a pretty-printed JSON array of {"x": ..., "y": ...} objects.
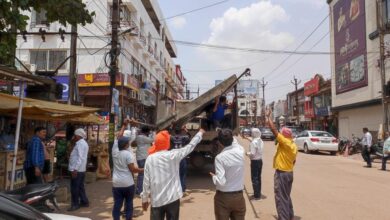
[
  {"x": 72, "y": 65},
  {"x": 382, "y": 30},
  {"x": 263, "y": 85},
  {"x": 113, "y": 72},
  {"x": 295, "y": 82}
]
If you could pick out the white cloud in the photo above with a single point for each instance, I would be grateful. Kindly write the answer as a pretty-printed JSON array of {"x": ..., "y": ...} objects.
[
  {"x": 250, "y": 27},
  {"x": 316, "y": 3},
  {"x": 178, "y": 22}
]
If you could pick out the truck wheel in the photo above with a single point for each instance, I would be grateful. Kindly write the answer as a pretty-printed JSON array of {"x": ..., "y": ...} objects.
[{"x": 198, "y": 161}]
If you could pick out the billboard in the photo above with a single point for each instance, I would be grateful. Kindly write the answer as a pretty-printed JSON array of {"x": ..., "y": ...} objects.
[
  {"x": 98, "y": 79},
  {"x": 312, "y": 86},
  {"x": 64, "y": 80},
  {"x": 350, "y": 45},
  {"x": 247, "y": 88}
]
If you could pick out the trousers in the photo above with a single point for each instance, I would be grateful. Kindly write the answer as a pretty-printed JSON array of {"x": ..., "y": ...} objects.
[
  {"x": 256, "y": 168},
  {"x": 123, "y": 194},
  {"x": 170, "y": 211},
  {"x": 77, "y": 190},
  {"x": 229, "y": 206},
  {"x": 366, "y": 155},
  {"x": 282, "y": 188}
]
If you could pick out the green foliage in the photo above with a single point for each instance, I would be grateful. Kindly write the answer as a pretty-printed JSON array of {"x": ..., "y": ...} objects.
[{"x": 11, "y": 14}]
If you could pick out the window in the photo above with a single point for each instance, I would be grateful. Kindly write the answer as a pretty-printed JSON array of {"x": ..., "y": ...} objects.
[
  {"x": 48, "y": 59},
  {"x": 39, "y": 18},
  {"x": 149, "y": 39},
  {"x": 135, "y": 66},
  {"x": 161, "y": 58},
  {"x": 242, "y": 104},
  {"x": 386, "y": 11}
]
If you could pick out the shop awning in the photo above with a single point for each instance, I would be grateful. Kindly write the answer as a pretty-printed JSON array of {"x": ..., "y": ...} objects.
[{"x": 44, "y": 110}]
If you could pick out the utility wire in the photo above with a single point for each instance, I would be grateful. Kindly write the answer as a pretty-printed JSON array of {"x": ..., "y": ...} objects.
[
  {"x": 299, "y": 46},
  {"x": 85, "y": 46}
]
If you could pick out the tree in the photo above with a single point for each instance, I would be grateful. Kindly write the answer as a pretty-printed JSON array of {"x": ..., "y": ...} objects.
[{"x": 12, "y": 19}]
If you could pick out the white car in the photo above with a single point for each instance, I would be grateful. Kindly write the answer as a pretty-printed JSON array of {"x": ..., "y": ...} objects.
[
  {"x": 64, "y": 217},
  {"x": 316, "y": 141}
]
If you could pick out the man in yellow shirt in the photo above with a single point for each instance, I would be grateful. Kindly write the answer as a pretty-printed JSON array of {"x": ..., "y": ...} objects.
[{"x": 284, "y": 162}]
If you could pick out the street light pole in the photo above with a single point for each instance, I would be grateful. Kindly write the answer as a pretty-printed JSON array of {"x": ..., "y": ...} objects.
[{"x": 113, "y": 72}]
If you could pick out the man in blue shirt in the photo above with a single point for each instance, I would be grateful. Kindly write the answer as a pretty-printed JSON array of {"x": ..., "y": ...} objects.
[
  {"x": 218, "y": 115},
  {"x": 35, "y": 157},
  {"x": 386, "y": 151}
]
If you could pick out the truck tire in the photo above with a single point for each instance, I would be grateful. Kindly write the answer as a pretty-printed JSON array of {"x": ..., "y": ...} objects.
[{"x": 198, "y": 161}]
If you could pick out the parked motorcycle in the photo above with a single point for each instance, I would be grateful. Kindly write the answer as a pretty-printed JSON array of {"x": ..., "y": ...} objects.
[
  {"x": 353, "y": 146},
  {"x": 37, "y": 196},
  {"x": 377, "y": 151}
]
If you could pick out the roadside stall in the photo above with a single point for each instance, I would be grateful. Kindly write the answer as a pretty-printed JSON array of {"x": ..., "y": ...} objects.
[{"x": 33, "y": 112}]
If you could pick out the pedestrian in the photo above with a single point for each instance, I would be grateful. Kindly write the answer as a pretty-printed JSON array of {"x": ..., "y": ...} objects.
[
  {"x": 161, "y": 179},
  {"x": 386, "y": 151},
  {"x": 229, "y": 202},
  {"x": 179, "y": 139},
  {"x": 367, "y": 143},
  {"x": 35, "y": 157},
  {"x": 122, "y": 178},
  {"x": 144, "y": 140},
  {"x": 284, "y": 162},
  {"x": 255, "y": 153},
  {"x": 77, "y": 167}
]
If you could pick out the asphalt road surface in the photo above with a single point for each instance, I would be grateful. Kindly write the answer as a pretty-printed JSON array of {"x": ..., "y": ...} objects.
[{"x": 325, "y": 187}]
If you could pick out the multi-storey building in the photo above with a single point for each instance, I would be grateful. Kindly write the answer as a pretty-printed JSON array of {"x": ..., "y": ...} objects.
[
  {"x": 356, "y": 76},
  {"x": 145, "y": 60}
]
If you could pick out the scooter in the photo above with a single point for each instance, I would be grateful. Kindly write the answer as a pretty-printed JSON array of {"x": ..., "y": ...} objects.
[{"x": 37, "y": 196}]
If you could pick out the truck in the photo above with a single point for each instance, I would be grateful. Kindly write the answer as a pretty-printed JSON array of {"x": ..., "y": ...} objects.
[{"x": 193, "y": 115}]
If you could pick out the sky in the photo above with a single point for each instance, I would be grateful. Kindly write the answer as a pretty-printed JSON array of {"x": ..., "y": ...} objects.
[{"x": 259, "y": 24}]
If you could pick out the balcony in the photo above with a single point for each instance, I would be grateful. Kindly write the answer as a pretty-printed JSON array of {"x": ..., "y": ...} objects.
[{"x": 142, "y": 38}]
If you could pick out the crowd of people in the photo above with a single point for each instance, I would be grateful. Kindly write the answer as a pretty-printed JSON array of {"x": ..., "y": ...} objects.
[{"x": 160, "y": 162}]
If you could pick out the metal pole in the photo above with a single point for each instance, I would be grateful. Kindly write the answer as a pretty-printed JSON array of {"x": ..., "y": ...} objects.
[
  {"x": 72, "y": 65},
  {"x": 380, "y": 25},
  {"x": 113, "y": 73},
  {"x": 296, "y": 83},
  {"x": 18, "y": 122}
]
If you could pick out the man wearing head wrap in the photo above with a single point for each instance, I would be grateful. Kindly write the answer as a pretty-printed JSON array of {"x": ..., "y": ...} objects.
[
  {"x": 284, "y": 162},
  {"x": 255, "y": 153},
  {"x": 161, "y": 176},
  {"x": 77, "y": 167}
]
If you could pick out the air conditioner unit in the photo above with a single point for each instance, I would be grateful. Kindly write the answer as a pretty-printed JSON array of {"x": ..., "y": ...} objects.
[{"x": 33, "y": 68}]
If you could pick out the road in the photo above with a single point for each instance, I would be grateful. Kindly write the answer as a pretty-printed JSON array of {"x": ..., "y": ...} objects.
[{"x": 325, "y": 187}]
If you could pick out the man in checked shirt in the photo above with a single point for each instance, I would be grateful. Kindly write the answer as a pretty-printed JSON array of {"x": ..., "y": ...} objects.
[{"x": 161, "y": 177}]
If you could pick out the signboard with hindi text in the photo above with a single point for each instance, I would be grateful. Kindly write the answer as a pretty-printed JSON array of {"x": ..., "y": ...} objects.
[{"x": 350, "y": 45}]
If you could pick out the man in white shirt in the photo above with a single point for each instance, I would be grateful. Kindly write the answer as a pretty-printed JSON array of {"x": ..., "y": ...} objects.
[
  {"x": 161, "y": 176},
  {"x": 77, "y": 167},
  {"x": 367, "y": 143},
  {"x": 255, "y": 153},
  {"x": 122, "y": 178},
  {"x": 229, "y": 202}
]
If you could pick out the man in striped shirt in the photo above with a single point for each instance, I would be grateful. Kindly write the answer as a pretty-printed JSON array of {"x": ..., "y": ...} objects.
[{"x": 161, "y": 176}]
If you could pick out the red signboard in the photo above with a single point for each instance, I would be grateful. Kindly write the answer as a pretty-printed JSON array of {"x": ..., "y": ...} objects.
[
  {"x": 133, "y": 83},
  {"x": 309, "y": 110},
  {"x": 97, "y": 79},
  {"x": 312, "y": 87}
]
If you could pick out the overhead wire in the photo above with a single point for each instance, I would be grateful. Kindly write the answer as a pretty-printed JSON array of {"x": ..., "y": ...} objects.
[{"x": 297, "y": 48}]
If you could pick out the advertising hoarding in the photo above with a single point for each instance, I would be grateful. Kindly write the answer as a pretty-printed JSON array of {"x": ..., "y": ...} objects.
[{"x": 350, "y": 45}]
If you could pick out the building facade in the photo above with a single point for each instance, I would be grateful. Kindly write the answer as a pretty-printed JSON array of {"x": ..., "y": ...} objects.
[
  {"x": 318, "y": 99},
  {"x": 145, "y": 62},
  {"x": 356, "y": 78},
  {"x": 296, "y": 112}
]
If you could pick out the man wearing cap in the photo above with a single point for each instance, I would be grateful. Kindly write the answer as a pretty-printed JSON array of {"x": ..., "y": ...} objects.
[
  {"x": 122, "y": 178},
  {"x": 77, "y": 167},
  {"x": 161, "y": 177},
  {"x": 284, "y": 162}
]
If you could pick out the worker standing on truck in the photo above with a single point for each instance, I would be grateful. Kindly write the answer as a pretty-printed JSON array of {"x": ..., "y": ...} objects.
[{"x": 218, "y": 115}]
